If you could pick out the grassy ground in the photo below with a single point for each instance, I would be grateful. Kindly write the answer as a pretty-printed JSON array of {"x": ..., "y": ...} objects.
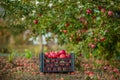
[{"x": 21, "y": 68}]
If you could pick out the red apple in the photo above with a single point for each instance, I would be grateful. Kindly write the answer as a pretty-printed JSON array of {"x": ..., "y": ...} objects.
[
  {"x": 53, "y": 60},
  {"x": 49, "y": 56},
  {"x": 49, "y": 69},
  {"x": 62, "y": 64},
  {"x": 67, "y": 64},
  {"x": 95, "y": 39},
  {"x": 93, "y": 46},
  {"x": 57, "y": 54},
  {"x": 105, "y": 68},
  {"x": 64, "y": 68},
  {"x": 62, "y": 52},
  {"x": 88, "y": 11},
  {"x": 103, "y": 10},
  {"x": 65, "y": 31},
  {"x": 110, "y": 13},
  {"x": 116, "y": 70},
  {"x": 89, "y": 44},
  {"x": 47, "y": 60},
  {"x": 59, "y": 68},
  {"x": 99, "y": 7},
  {"x": 69, "y": 61},
  {"x": 102, "y": 39},
  {"x": 68, "y": 56},
  {"x": 91, "y": 74},
  {"x": 46, "y": 54},
  {"x": 54, "y": 56},
  {"x": 35, "y": 21},
  {"x": 62, "y": 56},
  {"x": 67, "y": 24},
  {"x": 52, "y": 65}
]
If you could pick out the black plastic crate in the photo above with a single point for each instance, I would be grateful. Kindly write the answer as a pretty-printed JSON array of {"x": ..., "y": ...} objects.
[{"x": 56, "y": 64}]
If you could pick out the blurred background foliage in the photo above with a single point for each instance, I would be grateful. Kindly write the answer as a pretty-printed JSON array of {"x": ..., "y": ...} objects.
[{"x": 68, "y": 20}]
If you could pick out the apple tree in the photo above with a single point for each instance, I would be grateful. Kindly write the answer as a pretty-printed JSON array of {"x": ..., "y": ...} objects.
[{"x": 92, "y": 27}]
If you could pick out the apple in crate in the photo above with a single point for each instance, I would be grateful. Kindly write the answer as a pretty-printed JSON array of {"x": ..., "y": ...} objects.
[
  {"x": 49, "y": 69},
  {"x": 62, "y": 64},
  {"x": 53, "y": 60},
  {"x": 47, "y": 65},
  {"x": 67, "y": 64},
  {"x": 69, "y": 61},
  {"x": 68, "y": 55},
  {"x": 59, "y": 54},
  {"x": 46, "y": 54},
  {"x": 59, "y": 68},
  {"x": 51, "y": 65},
  {"x": 62, "y": 56},
  {"x": 52, "y": 54},
  {"x": 62, "y": 52},
  {"x": 54, "y": 69},
  {"x": 64, "y": 68}
]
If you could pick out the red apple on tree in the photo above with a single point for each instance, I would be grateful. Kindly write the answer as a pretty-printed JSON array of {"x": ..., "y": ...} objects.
[
  {"x": 99, "y": 7},
  {"x": 88, "y": 11},
  {"x": 89, "y": 44},
  {"x": 95, "y": 39},
  {"x": 35, "y": 21},
  {"x": 110, "y": 13},
  {"x": 65, "y": 31},
  {"x": 102, "y": 39},
  {"x": 103, "y": 10},
  {"x": 93, "y": 46}
]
